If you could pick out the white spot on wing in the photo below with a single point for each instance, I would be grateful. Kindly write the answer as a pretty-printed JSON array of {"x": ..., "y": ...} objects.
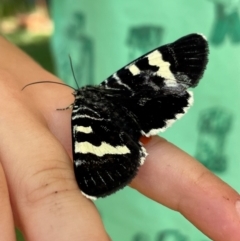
[
  {"x": 155, "y": 59},
  {"x": 89, "y": 197},
  {"x": 134, "y": 69},
  {"x": 84, "y": 129},
  {"x": 190, "y": 100},
  {"x": 171, "y": 83},
  {"x": 79, "y": 162},
  {"x": 103, "y": 149},
  {"x": 145, "y": 154}
]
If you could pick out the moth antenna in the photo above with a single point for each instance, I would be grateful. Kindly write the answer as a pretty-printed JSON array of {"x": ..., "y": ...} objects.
[
  {"x": 70, "y": 59},
  {"x": 50, "y": 82}
]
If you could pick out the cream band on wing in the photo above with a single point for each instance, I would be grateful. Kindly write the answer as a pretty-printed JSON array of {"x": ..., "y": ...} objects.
[
  {"x": 103, "y": 149},
  {"x": 84, "y": 129},
  {"x": 155, "y": 59}
]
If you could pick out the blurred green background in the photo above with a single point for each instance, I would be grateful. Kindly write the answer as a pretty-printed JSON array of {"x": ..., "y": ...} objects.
[{"x": 20, "y": 22}]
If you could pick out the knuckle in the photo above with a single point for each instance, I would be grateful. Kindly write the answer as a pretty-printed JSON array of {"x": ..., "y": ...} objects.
[{"x": 49, "y": 182}]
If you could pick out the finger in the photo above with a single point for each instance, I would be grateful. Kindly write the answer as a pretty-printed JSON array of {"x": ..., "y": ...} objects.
[
  {"x": 178, "y": 181},
  {"x": 46, "y": 200},
  {"x": 6, "y": 221},
  {"x": 20, "y": 64}
]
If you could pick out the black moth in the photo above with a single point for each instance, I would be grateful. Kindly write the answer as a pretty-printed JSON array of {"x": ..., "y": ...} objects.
[{"x": 141, "y": 99}]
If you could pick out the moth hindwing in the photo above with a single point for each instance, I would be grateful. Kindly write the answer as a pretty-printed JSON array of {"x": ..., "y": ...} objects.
[{"x": 141, "y": 99}]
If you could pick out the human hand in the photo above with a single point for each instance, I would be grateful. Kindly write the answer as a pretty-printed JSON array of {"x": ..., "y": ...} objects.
[
  {"x": 38, "y": 190},
  {"x": 37, "y": 185}
]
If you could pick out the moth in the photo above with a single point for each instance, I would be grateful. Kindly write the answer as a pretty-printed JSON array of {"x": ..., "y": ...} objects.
[{"x": 141, "y": 99}]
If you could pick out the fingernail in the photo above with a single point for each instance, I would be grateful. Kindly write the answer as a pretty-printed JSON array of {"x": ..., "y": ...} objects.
[{"x": 238, "y": 207}]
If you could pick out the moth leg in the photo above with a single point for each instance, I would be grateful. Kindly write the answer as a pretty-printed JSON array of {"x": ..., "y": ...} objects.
[{"x": 67, "y": 108}]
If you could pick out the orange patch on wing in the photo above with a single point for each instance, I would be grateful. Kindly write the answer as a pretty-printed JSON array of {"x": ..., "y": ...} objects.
[{"x": 144, "y": 139}]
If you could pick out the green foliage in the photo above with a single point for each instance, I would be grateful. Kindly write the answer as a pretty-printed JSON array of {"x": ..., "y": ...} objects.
[
  {"x": 19, "y": 235},
  {"x": 38, "y": 47},
  {"x": 12, "y": 7},
  {"x": 40, "y": 52}
]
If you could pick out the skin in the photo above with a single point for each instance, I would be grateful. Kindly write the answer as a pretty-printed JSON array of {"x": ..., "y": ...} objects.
[{"x": 38, "y": 192}]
